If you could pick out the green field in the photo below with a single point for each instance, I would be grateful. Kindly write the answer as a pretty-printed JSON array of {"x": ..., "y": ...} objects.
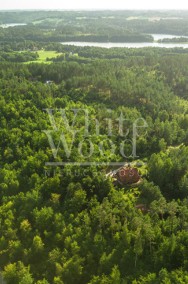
[{"x": 43, "y": 55}]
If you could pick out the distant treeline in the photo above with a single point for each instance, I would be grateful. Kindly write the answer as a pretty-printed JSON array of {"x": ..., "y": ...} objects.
[
  {"x": 174, "y": 40},
  {"x": 33, "y": 33}
]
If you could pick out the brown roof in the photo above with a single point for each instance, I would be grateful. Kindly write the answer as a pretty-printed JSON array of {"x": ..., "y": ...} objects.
[{"x": 127, "y": 175}]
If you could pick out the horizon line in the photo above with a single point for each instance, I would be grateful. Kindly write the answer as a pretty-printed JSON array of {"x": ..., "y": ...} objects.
[{"x": 91, "y": 9}]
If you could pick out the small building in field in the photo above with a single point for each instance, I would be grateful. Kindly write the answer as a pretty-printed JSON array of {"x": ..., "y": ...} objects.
[{"x": 127, "y": 175}]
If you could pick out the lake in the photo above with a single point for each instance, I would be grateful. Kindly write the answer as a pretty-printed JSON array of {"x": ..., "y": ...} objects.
[
  {"x": 133, "y": 44},
  {"x": 5, "y": 26}
]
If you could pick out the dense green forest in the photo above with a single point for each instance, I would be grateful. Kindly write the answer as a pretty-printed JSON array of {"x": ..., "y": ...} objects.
[{"x": 72, "y": 223}]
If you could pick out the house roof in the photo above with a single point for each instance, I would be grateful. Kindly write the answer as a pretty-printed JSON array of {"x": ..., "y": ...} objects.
[{"x": 127, "y": 175}]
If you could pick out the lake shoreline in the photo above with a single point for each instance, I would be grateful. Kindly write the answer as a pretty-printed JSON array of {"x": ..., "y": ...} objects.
[{"x": 155, "y": 43}]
